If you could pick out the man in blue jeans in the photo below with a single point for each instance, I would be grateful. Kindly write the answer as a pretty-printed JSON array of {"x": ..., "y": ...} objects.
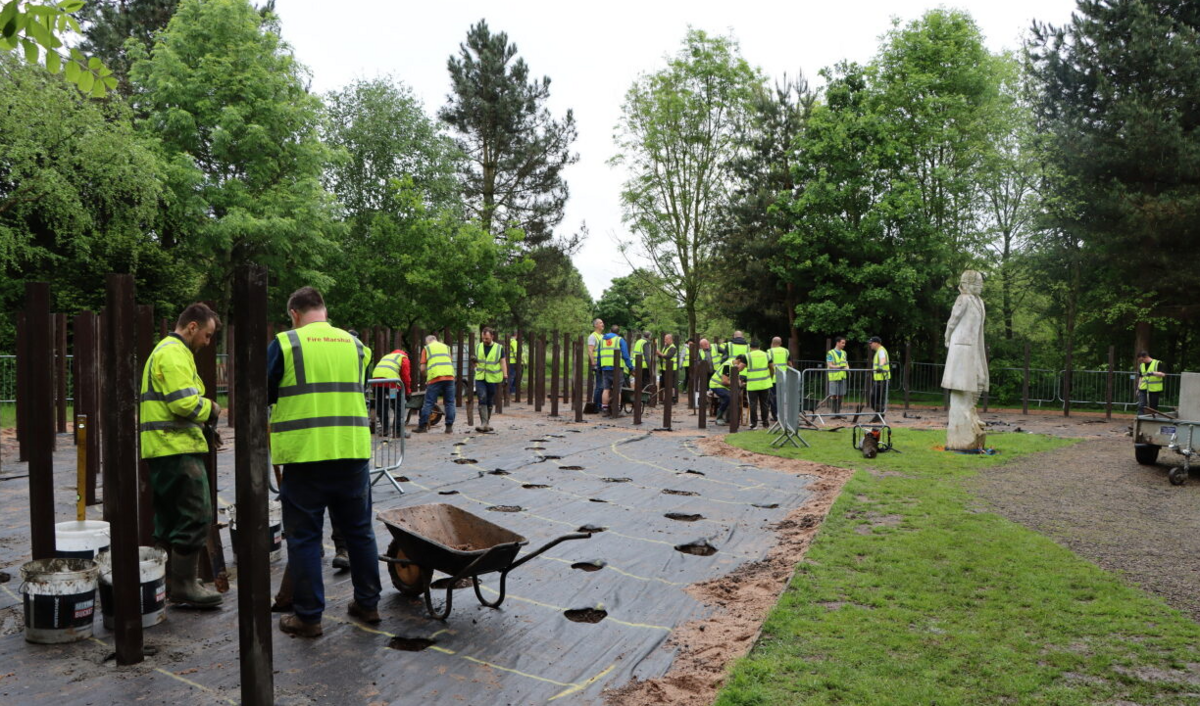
[
  {"x": 320, "y": 434},
  {"x": 439, "y": 382}
]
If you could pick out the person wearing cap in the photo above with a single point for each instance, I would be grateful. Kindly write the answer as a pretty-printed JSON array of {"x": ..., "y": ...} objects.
[{"x": 881, "y": 374}]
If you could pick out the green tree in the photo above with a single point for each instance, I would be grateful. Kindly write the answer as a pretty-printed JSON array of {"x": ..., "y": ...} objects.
[
  {"x": 622, "y": 299},
  {"x": 1117, "y": 92},
  {"x": 516, "y": 148},
  {"x": 239, "y": 133},
  {"x": 79, "y": 196},
  {"x": 108, "y": 24},
  {"x": 676, "y": 136},
  {"x": 558, "y": 300},
  {"x": 36, "y": 27}
]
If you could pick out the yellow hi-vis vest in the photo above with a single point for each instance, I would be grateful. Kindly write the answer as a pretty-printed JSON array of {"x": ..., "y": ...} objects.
[
  {"x": 1150, "y": 383},
  {"x": 639, "y": 348},
  {"x": 437, "y": 361},
  {"x": 488, "y": 368},
  {"x": 715, "y": 383},
  {"x": 389, "y": 366},
  {"x": 667, "y": 354},
  {"x": 512, "y": 352},
  {"x": 757, "y": 371},
  {"x": 836, "y": 357},
  {"x": 882, "y": 365},
  {"x": 173, "y": 407},
  {"x": 321, "y": 414},
  {"x": 779, "y": 356},
  {"x": 610, "y": 351},
  {"x": 735, "y": 349}
]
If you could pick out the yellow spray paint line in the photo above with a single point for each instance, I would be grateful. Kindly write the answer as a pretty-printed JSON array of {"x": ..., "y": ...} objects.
[
  {"x": 211, "y": 692},
  {"x": 583, "y": 685},
  {"x": 673, "y": 472},
  {"x": 613, "y": 447},
  {"x": 15, "y": 597},
  {"x": 560, "y": 609}
]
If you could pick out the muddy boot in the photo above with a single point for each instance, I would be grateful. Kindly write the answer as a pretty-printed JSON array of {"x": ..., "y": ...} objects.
[
  {"x": 184, "y": 586},
  {"x": 483, "y": 420},
  {"x": 341, "y": 558},
  {"x": 294, "y": 626},
  {"x": 420, "y": 430},
  {"x": 487, "y": 421},
  {"x": 449, "y": 428}
]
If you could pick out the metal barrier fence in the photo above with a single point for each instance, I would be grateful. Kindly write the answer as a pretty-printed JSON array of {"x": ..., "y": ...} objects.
[{"x": 856, "y": 396}]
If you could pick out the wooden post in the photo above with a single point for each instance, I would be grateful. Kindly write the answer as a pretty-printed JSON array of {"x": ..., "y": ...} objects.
[
  {"x": 145, "y": 493},
  {"x": 1025, "y": 384},
  {"x": 231, "y": 373},
  {"x": 907, "y": 371},
  {"x": 668, "y": 382},
  {"x": 459, "y": 383},
  {"x": 23, "y": 354},
  {"x": 566, "y": 368},
  {"x": 60, "y": 371},
  {"x": 530, "y": 385},
  {"x": 522, "y": 353},
  {"x": 86, "y": 398},
  {"x": 471, "y": 386},
  {"x": 735, "y": 400},
  {"x": 590, "y": 392},
  {"x": 38, "y": 432},
  {"x": 1108, "y": 388},
  {"x": 501, "y": 398},
  {"x": 638, "y": 378},
  {"x": 538, "y": 386},
  {"x": 579, "y": 392},
  {"x": 120, "y": 411},
  {"x": 555, "y": 375},
  {"x": 251, "y": 459},
  {"x": 693, "y": 362},
  {"x": 704, "y": 373}
]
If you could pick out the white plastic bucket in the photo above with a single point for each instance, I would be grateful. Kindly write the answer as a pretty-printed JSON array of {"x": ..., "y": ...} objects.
[
  {"x": 274, "y": 527},
  {"x": 152, "y": 576},
  {"x": 80, "y": 540},
  {"x": 60, "y": 599}
]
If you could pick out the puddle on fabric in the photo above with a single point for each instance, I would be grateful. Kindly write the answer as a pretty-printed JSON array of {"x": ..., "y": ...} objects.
[
  {"x": 765, "y": 506},
  {"x": 534, "y": 486},
  {"x": 506, "y": 508},
  {"x": 464, "y": 461},
  {"x": 585, "y": 615},
  {"x": 698, "y": 548},
  {"x": 683, "y": 516},
  {"x": 669, "y": 491},
  {"x": 410, "y": 644},
  {"x": 498, "y": 472},
  {"x": 571, "y": 468},
  {"x": 596, "y": 500},
  {"x": 588, "y": 566},
  {"x": 447, "y": 492},
  {"x": 444, "y": 583},
  {"x": 591, "y": 529},
  {"x": 616, "y": 480}
]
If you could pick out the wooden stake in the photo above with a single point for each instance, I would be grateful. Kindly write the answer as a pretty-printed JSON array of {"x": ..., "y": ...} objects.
[{"x": 38, "y": 432}]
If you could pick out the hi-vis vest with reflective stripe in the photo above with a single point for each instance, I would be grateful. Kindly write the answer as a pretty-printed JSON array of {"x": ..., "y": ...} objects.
[
  {"x": 838, "y": 358},
  {"x": 883, "y": 371},
  {"x": 1150, "y": 383},
  {"x": 610, "y": 351},
  {"x": 733, "y": 350},
  {"x": 667, "y": 353},
  {"x": 758, "y": 371},
  {"x": 512, "y": 352},
  {"x": 715, "y": 383},
  {"x": 639, "y": 348},
  {"x": 487, "y": 368},
  {"x": 437, "y": 361},
  {"x": 321, "y": 414},
  {"x": 389, "y": 366},
  {"x": 779, "y": 356},
  {"x": 173, "y": 408}
]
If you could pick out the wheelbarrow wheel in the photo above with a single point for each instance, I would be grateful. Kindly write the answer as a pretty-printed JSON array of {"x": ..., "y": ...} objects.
[{"x": 411, "y": 580}]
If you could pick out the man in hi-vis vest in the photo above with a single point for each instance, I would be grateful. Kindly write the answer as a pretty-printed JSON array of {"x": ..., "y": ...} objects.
[
  {"x": 321, "y": 434},
  {"x": 1150, "y": 381},
  {"x": 173, "y": 413}
]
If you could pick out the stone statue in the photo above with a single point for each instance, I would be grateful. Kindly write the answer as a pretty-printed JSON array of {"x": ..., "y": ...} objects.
[{"x": 966, "y": 375}]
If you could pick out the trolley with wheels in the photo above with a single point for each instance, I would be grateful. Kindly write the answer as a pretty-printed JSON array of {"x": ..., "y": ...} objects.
[
  {"x": 446, "y": 538},
  {"x": 1154, "y": 430}
]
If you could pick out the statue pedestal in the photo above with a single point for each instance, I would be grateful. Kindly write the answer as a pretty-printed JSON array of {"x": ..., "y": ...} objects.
[{"x": 964, "y": 429}]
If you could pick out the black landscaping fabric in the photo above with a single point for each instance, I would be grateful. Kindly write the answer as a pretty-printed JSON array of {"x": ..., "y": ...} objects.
[{"x": 525, "y": 652}]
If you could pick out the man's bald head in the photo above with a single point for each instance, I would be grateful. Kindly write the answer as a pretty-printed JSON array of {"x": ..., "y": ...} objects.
[
  {"x": 738, "y": 334},
  {"x": 777, "y": 341},
  {"x": 704, "y": 343}
]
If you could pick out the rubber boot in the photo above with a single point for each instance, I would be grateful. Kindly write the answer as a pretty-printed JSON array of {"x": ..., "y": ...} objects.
[
  {"x": 483, "y": 420},
  {"x": 487, "y": 421},
  {"x": 420, "y": 429},
  {"x": 449, "y": 428},
  {"x": 185, "y": 588}
]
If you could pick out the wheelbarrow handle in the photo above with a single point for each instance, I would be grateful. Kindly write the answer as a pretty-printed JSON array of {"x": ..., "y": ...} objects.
[{"x": 549, "y": 545}]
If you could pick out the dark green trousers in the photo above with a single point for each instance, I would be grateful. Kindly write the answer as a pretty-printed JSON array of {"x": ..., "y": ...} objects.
[{"x": 182, "y": 505}]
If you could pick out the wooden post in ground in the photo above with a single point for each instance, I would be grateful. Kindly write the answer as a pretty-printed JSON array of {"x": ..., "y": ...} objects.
[
  {"x": 614, "y": 395},
  {"x": 86, "y": 397},
  {"x": 668, "y": 382},
  {"x": 1108, "y": 387},
  {"x": 566, "y": 367},
  {"x": 38, "y": 432},
  {"x": 501, "y": 398},
  {"x": 579, "y": 392},
  {"x": 231, "y": 372},
  {"x": 121, "y": 449},
  {"x": 471, "y": 372},
  {"x": 704, "y": 373},
  {"x": 693, "y": 362},
  {"x": 251, "y": 459},
  {"x": 555, "y": 376},
  {"x": 907, "y": 371},
  {"x": 522, "y": 353},
  {"x": 60, "y": 371},
  {"x": 530, "y": 377},
  {"x": 1025, "y": 384},
  {"x": 23, "y": 354},
  {"x": 735, "y": 400},
  {"x": 145, "y": 493},
  {"x": 638, "y": 378},
  {"x": 459, "y": 383},
  {"x": 538, "y": 386}
]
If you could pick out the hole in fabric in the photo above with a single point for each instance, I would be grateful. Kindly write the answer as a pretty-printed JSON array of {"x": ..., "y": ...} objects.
[
  {"x": 555, "y": 436},
  {"x": 699, "y": 547},
  {"x": 410, "y": 644},
  {"x": 591, "y": 529},
  {"x": 596, "y": 500},
  {"x": 447, "y": 492},
  {"x": 444, "y": 583},
  {"x": 668, "y": 491},
  {"x": 506, "y": 508},
  {"x": 683, "y": 516},
  {"x": 585, "y": 615},
  {"x": 534, "y": 486},
  {"x": 571, "y": 468},
  {"x": 765, "y": 506},
  {"x": 588, "y": 565},
  {"x": 616, "y": 480},
  {"x": 498, "y": 472},
  {"x": 575, "y": 431},
  {"x": 460, "y": 443},
  {"x": 538, "y": 441},
  {"x": 464, "y": 461},
  {"x": 548, "y": 457},
  {"x": 402, "y": 479},
  {"x": 694, "y": 472},
  {"x": 534, "y": 448}
]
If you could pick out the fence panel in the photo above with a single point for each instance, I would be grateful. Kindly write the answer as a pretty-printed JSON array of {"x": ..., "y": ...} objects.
[{"x": 1089, "y": 387}]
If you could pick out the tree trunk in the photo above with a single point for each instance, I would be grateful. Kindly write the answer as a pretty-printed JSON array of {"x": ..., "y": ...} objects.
[
  {"x": 1141, "y": 337},
  {"x": 793, "y": 334}
]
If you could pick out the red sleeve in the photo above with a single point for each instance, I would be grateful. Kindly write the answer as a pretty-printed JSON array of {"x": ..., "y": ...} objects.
[{"x": 406, "y": 376}]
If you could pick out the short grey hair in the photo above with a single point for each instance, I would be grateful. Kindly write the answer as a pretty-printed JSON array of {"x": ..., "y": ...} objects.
[{"x": 431, "y": 338}]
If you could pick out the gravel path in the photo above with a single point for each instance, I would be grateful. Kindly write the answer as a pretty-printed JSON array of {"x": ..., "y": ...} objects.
[{"x": 1095, "y": 499}]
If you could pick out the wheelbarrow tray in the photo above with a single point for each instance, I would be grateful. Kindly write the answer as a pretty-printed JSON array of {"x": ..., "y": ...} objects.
[{"x": 447, "y": 538}]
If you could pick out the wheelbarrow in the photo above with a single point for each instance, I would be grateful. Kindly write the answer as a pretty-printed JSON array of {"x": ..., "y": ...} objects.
[
  {"x": 649, "y": 395},
  {"x": 413, "y": 404},
  {"x": 446, "y": 538}
]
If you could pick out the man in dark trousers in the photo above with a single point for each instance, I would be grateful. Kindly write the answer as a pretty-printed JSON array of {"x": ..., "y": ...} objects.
[{"x": 320, "y": 433}]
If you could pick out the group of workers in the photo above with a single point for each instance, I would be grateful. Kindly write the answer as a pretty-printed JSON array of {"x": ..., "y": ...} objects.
[{"x": 321, "y": 432}]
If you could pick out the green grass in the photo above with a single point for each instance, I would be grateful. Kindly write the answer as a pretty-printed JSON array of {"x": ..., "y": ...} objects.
[{"x": 912, "y": 595}]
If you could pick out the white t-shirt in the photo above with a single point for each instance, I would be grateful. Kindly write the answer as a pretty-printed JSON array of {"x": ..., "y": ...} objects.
[{"x": 594, "y": 343}]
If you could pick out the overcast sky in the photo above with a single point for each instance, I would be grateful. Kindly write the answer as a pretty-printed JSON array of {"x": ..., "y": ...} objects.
[{"x": 593, "y": 52}]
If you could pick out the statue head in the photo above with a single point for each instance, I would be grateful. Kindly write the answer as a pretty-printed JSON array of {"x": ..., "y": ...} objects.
[{"x": 971, "y": 283}]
